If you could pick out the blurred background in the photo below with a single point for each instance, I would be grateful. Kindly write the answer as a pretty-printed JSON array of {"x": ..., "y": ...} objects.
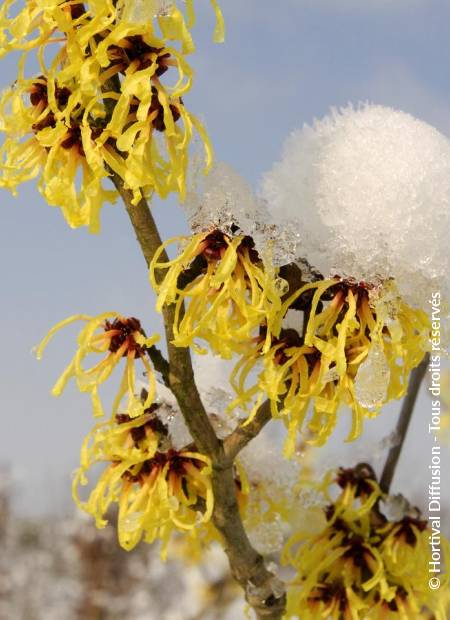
[{"x": 282, "y": 65}]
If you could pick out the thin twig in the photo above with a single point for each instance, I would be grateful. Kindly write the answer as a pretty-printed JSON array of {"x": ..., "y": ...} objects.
[
  {"x": 160, "y": 364},
  {"x": 243, "y": 435},
  {"x": 181, "y": 375},
  {"x": 404, "y": 420}
]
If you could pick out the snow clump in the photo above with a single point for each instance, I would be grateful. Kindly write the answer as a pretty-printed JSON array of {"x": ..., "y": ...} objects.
[{"x": 365, "y": 193}]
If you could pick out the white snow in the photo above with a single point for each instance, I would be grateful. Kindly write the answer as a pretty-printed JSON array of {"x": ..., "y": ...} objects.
[
  {"x": 365, "y": 193},
  {"x": 222, "y": 199}
]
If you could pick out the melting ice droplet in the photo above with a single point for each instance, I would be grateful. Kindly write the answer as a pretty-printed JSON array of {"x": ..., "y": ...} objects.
[{"x": 372, "y": 379}]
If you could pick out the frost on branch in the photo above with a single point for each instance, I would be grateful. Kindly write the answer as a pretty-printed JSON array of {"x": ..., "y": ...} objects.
[
  {"x": 224, "y": 200},
  {"x": 367, "y": 193}
]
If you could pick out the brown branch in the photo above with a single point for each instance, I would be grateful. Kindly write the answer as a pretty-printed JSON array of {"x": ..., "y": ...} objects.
[
  {"x": 181, "y": 375},
  {"x": 160, "y": 364},
  {"x": 263, "y": 592},
  {"x": 262, "y": 589},
  {"x": 243, "y": 435},
  {"x": 404, "y": 420}
]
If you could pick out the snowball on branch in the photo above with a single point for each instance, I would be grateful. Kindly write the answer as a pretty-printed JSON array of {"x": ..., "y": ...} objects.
[{"x": 366, "y": 193}]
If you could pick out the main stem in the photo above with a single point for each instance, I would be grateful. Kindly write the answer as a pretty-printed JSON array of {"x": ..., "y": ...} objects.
[
  {"x": 403, "y": 423},
  {"x": 247, "y": 566}
]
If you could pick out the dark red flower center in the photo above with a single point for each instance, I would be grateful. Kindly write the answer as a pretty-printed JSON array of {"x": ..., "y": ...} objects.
[
  {"x": 126, "y": 330},
  {"x": 134, "y": 48}
]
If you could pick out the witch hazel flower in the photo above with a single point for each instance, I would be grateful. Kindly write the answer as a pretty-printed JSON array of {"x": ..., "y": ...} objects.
[
  {"x": 109, "y": 103},
  {"x": 222, "y": 283},
  {"x": 157, "y": 489},
  {"x": 362, "y": 565},
  {"x": 115, "y": 338},
  {"x": 350, "y": 201}
]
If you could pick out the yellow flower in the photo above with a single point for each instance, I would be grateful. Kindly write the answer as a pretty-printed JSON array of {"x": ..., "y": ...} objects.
[
  {"x": 361, "y": 566},
  {"x": 148, "y": 137},
  {"x": 86, "y": 121},
  {"x": 35, "y": 23},
  {"x": 124, "y": 438},
  {"x": 117, "y": 337},
  {"x": 32, "y": 26},
  {"x": 173, "y": 24},
  {"x": 346, "y": 325},
  {"x": 233, "y": 294},
  {"x": 39, "y": 142},
  {"x": 157, "y": 491}
]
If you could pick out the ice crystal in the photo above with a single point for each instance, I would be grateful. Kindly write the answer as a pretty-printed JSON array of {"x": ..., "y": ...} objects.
[
  {"x": 276, "y": 505},
  {"x": 170, "y": 414},
  {"x": 268, "y": 536},
  {"x": 223, "y": 199},
  {"x": 396, "y": 507},
  {"x": 212, "y": 373},
  {"x": 372, "y": 379}
]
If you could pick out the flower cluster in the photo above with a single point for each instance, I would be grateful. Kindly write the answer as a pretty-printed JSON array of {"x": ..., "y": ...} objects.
[
  {"x": 347, "y": 327},
  {"x": 39, "y": 141},
  {"x": 103, "y": 106},
  {"x": 231, "y": 291},
  {"x": 157, "y": 489},
  {"x": 37, "y": 22},
  {"x": 117, "y": 337},
  {"x": 228, "y": 296},
  {"x": 363, "y": 566}
]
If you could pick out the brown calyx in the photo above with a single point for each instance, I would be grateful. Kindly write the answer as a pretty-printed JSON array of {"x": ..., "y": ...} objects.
[
  {"x": 156, "y": 111},
  {"x": 329, "y": 592},
  {"x": 39, "y": 93},
  {"x": 39, "y": 100},
  {"x": 400, "y": 595},
  {"x": 138, "y": 433},
  {"x": 134, "y": 48},
  {"x": 360, "y": 477},
  {"x": 357, "y": 551},
  {"x": 124, "y": 331},
  {"x": 216, "y": 243},
  {"x": 74, "y": 138},
  {"x": 248, "y": 245},
  {"x": 405, "y": 529},
  {"x": 288, "y": 338},
  {"x": 176, "y": 465},
  {"x": 158, "y": 122}
]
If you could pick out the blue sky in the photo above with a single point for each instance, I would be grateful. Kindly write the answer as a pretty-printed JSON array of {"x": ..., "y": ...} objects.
[{"x": 279, "y": 68}]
